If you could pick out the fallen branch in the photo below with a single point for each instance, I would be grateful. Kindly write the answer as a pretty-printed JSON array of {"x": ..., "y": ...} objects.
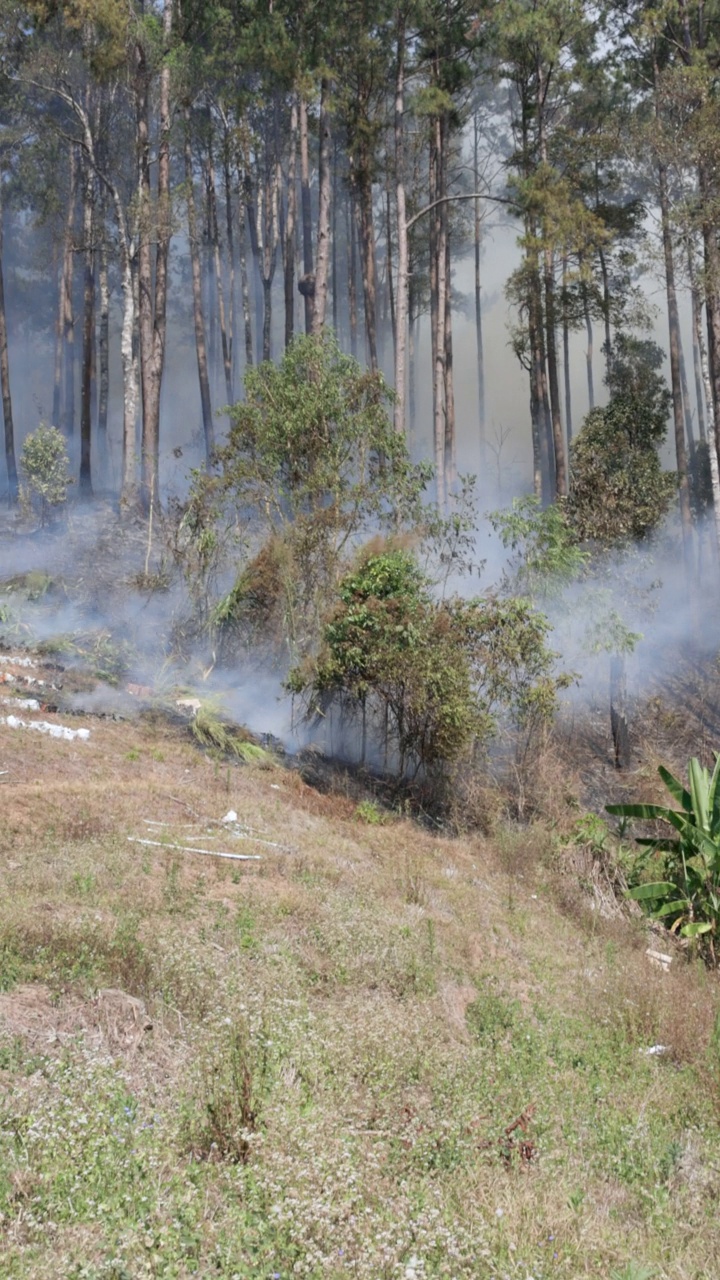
[{"x": 186, "y": 848}]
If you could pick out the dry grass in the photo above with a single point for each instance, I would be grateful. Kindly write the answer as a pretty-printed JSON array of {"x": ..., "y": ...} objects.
[{"x": 342, "y": 1035}]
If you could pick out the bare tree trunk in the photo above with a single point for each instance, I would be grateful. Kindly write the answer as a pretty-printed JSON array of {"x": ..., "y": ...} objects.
[
  {"x": 687, "y": 407},
  {"x": 198, "y": 318},
  {"x": 566, "y": 361},
  {"x": 290, "y": 221},
  {"x": 306, "y": 210},
  {"x": 352, "y": 278},
  {"x": 589, "y": 348},
  {"x": 674, "y": 328},
  {"x": 412, "y": 345},
  {"x": 64, "y": 318},
  {"x": 215, "y": 241},
  {"x": 85, "y": 483},
  {"x": 450, "y": 441},
  {"x": 401, "y": 309},
  {"x": 712, "y": 432},
  {"x": 322, "y": 260},
  {"x": 68, "y": 423},
  {"x": 696, "y": 304},
  {"x": 606, "y": 303},
  {"x": 540, "y": 405},
  {"x": 103, "y": 347},
  {"x": 10, "y": 463},
  {"x": 244, "y": 283},
  {"x": 438, "y": 284},
  {"x": 477, "y": 245},
  {"x": 554, "y": 383},
  {"x": 232, "y": 323},
  {"x": 367, "y": 252}
]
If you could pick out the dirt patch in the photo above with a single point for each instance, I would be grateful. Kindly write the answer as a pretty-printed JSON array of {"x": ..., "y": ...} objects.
[{"x": 112, "y": 1023}]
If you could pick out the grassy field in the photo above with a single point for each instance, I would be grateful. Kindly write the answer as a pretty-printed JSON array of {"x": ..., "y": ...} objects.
[{"x": 370, "y": 1053}]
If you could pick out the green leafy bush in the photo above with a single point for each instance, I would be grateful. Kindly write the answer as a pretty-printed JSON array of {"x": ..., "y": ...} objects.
[
  {"x": 684, "y": 892},
  {"x": 46, "y": 467}
]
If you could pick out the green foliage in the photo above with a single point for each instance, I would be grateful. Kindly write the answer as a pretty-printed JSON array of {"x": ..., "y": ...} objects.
[
  {"x": 212, "y": 733},
  {"x": 685, "y": 891},
  {"x": 546, "y": 555},
  {"x": 436, "y": 675},
  {"x": 312, "y": 461},
  {"x": 619, "y": 493},
  {"x": 46, "y": 467}
]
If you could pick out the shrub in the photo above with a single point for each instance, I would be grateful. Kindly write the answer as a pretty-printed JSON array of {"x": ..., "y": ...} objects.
[
  {"x": 46, "y": 467},
  {"x": 684, "y": 892}
]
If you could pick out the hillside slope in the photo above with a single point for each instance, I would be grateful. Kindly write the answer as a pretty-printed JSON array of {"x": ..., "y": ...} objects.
[{"x": 370, "y": 1052}]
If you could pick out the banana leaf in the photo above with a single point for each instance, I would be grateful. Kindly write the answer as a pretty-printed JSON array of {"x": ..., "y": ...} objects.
[
  {"x": 658, "y": 889},
  {"x": 676, "y": 789}
]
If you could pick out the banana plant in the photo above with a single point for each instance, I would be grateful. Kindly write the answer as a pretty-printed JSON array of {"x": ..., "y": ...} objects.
[{"x": 687, "y": 899}]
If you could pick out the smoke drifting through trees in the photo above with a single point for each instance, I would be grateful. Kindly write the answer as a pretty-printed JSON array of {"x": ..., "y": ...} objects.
[{"x": 321, "y": 162}]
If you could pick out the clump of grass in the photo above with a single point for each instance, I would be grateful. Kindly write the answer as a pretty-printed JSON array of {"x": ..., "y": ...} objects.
[
  {"x": 214, "y": 734},
  {"x": 222, "y": 1112}
]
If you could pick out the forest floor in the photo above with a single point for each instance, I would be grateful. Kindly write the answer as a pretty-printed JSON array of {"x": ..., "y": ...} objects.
[{"x": 372, "y": 1052}]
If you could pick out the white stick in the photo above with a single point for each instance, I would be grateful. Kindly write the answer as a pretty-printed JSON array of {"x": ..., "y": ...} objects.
[{"x": 186, "y": 848}]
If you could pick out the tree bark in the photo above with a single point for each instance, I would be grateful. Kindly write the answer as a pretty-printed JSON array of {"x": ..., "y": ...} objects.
[
  {"x": 450, "y": 438},
  {"x": 85, "y": 481},
  {"x": 438, "y": 265},
  {"x": 713, "y": 436},
  {"x": 198, "y": 317},
  {"x": 554, "y": 382},
  {"x": 401, "y": 295},
  {"x": 103, "y": 347},
  {"x": 244, "y": 282},
  {"x": 290, "y": 223},
  {"x": 64, "y": 330},
  {"x": 10, "y": 462},
  {"x": 477, "y": 245},
  {"x": 367, "y": 250},
  {"x": 589, "y": 347},
  {"x": 619, "y": 711},
  {"x": 322, "y": 257},
  {"x": 674, "y": 331},
  {"x": 566, "y": 362},
  {"x": 352, "y": 277},
  {"x": 696, "y": 307},
  {"x": 306, "y": 208},
  {"x": 229, "y": 231},
  {"x": 217, "y": 260}
]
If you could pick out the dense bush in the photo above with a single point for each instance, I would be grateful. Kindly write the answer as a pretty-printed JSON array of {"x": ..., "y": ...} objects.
[{"x": 45, "y": 466}]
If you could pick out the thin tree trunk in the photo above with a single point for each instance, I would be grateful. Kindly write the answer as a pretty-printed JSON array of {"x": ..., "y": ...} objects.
[
  {"x": 290, "y": 222},
  {"x": 64, "y": 318},
  {"x": 438, "y": 265},
  {"x": 232, "y": 322},
  {"x": 306, "y": 211},
  {"x": 687, "y": 407},
  {"x": 352, "y": 277},
  {"x": 244, "y": 282},
  {"x": 540, "y": 406},
  {"x": 566, "y": 361},
  {"x": 477, "y": 245},
  {"x": 215, "y": 241},
  {"x": 554, "y": 382},
  {"x": 322, "y": 258},
  {"x": 334, "y": 244},
  {"x": 367, "y": 253},
  {"x": 85, "y": 482},
  {"x": 198, "y": 318},
  {"x": 619, "y": 711},
  {"x": 589, "y": 347},
  {"x": 68, "y": 423},
  {"x": 401, "y": 308},
  {"x": 674, "y": 331},
  {"x": 10, "y": 463},
  {"x": 103, "y": 346},
  {"x": 712, "y": 431},
  {"x": 450, "y": 441},
  {"x": 606, "y": 304},
  {"x": 696, "y": 305}
]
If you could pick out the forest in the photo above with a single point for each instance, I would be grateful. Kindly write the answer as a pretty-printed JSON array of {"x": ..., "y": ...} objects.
[{"x": 221, "y": 177}]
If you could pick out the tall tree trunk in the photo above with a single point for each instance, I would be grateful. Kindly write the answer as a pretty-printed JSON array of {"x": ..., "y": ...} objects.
[
  {"x": 153, "y": 303},
  {"x": 322, "y": 257},
  {"x": 713, "y": 435},
  {"x": 477, "y": 245},
  {"x": 674, "y": 331},
  {"x": 198, "y": 317},
  {"x": 401, "y": 306},
  {"x": 220, "y": 290},
  {"x": 229, "y": 232},
  {"x": 244, "y": 282},
  {"x": 352, "y": 277},
  {"x": 306, "y": 211},
  {"x": 85, "y": 483},
  {"x": 450, "y": 439},
  {"x": 589, "y": 347},
  {"x": 539, "y": 401},
  {"x": 64, "y": 319},
  {"x": 566, "y": 360},
  {"x": 290, "y": 224},
  {"x": 606, "y": 303},
  {"x": 687, "y": 406},
  {"x": 10, "y": 463},
  {"x": 412, "y": 346},
  {"x": 554, "y": 382},
  {"x": 367, "y": 250},
  {"x": 68, "y": 423},
  {"x": 438, "y": 284},
  {"x": 696, "y": 306},
  {"x": 103, "y": 347}
]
